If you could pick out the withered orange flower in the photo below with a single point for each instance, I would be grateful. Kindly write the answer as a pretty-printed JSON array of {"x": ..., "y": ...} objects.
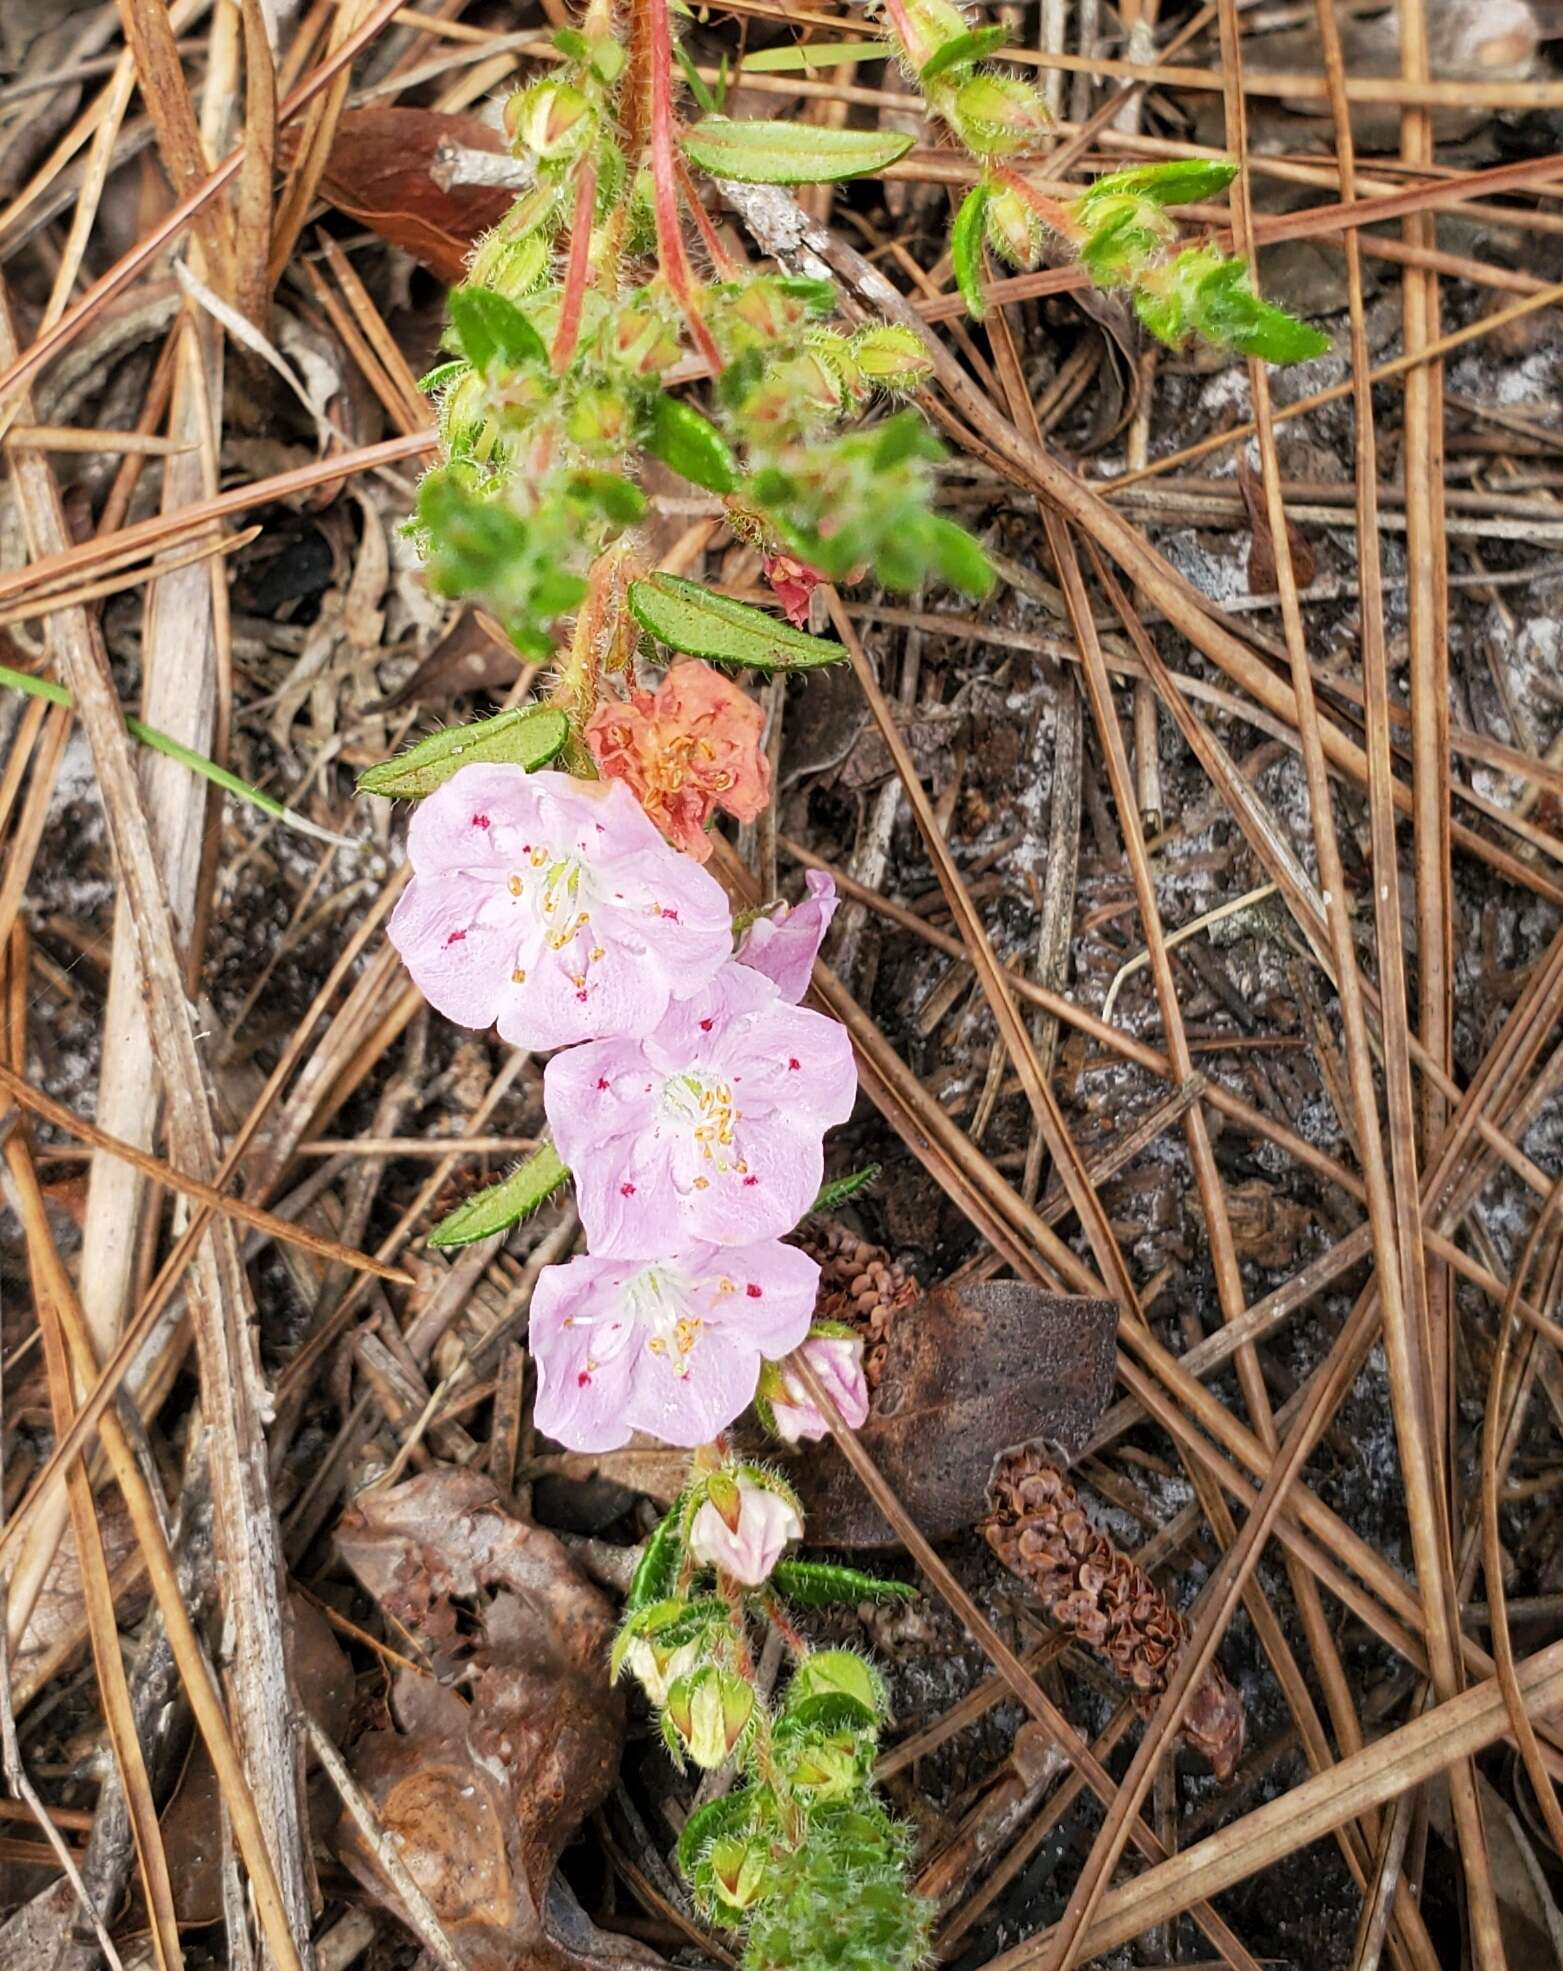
[{"x": 688, "y": 748}]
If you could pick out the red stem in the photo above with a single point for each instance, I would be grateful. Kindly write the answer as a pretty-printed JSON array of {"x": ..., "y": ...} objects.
[
  {"x": 664, "y": 178},
  {"x": 567, "y": 334},
  {"x": 721, "y": 259},
  {"x": 895, "y": 13}
]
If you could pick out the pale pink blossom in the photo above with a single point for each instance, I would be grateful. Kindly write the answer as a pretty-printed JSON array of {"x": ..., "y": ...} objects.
[
  {"x": 785, "y": 944},
  {"x": 838, "y": 1362},
  {"x": 766, "y": 1522},
  {"x": 688, "y": 748},
  {"x": 707, "y": 1130},
  {"x": 669, "y": 1346},
  {"x": 551, "y": 907}
]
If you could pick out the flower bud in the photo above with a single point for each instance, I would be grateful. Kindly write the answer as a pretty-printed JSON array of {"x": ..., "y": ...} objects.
[
  {"x": 892, "y": 356},
  {"x": 750, "y": 1545},
  {"x": 637, "y": 340},
  {"x": 829, "y": 1768},
  {"x": 738, "y": 1870},
  {"x": 599, "y": 421},
  {"x": 656, "y": 1668},
  {"x": 838, "y": 1673},
  {"x": 553, "y": 120},
  {"x": 768, "y": 311},
  {"x": 1014, "y": 228},
  {"x": 710, "y": 1709},
  {"x": 995, "y": 115},
  {"x": 512, "y": 267},
  {"x": 930, "y": 26},
  {"x": 837, "y": 1359}
]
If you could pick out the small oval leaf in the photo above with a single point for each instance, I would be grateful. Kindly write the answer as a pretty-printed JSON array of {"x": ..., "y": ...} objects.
[
  {"x": 962, "y": 51},
  {"x": 755, "y": 153},
  {"x": 818, "y": 1583},
  {"x": 1180, "y": 181},
  {"x": 682, "y": 438},
  {"x": 966, "y": 239},
  {"x": 527, "y": 736},
  {"x": 493, "y": 330},
  {"x": 690, "y": 618},
  {"x": 839, "y": 1189},
  {"x": 503, "y": 1204},
  {"x": 658, "y": 1568}
]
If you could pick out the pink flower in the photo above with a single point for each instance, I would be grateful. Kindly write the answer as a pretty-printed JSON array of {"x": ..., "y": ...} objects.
[
  {"x": 684, "y": 751},
  {"x": 792, "y": 583},
  {"x": 785, "y": 945},
  {"x": 552, "y": 907},
  {"x": 838, "y": 1362},
  {"x": 669, "y": 1346},
  {"x": 750, "y": 1548},
  {"x": 707, "y": 1130}
]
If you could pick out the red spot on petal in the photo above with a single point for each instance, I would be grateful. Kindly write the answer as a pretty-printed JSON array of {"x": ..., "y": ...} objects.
[
  {"x": 626, "y": 1190},
  {"x": 582, "y": 1380},
  {"x": 750, "y": 1180},
  {"x": 480, "y": 821},
  {"x": 671, "y": 915},
  {"x": 455, "y": 937},
  {"x": 581, "y": 996},
  {"x": 753, "y": 1291},
  {"x": 706, "y": 1025},
  {"x": 793, "y": 1065},
  {"x": 603, "y": 1081}
]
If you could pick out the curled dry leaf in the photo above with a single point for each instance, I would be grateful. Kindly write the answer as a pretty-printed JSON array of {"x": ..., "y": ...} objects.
[
  {"x": 479, "y": 1794},
  {"x": 381, "y": 170},
  {"x": 1262, "y": 577},
  {"x": 967, "y": 1373}
]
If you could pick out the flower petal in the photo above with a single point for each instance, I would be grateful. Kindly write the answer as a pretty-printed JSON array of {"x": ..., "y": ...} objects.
[
  {"x": 785, "y": 946},
  {"x": 459, "y": 958},
  {"x": 584, "y": 1368}
]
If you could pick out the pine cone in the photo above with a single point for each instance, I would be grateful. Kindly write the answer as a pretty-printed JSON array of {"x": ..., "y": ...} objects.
[
  {"x": 860, "y": 1285},
  {"x": 1102, "y": 1597}
]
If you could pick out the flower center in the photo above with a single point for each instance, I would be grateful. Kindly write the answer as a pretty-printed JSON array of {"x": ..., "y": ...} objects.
[
  {"x": 700, "y": 1107},
  {"x": 658, "y": 1304},
  {"x": 558, "y": 892}
]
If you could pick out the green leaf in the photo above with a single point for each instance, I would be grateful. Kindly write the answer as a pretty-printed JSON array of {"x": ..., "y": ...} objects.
[
  {"x": 1226, "y": 310},
  {"x": 716, "y": 1819},
  {"x": 443, "y": 373},
  {"x": 493, "y": 330},
  {"x": 818, "y": 1583},
  {"x": 618, "y": 499},
  {"x": 658, "y": 1570},
  {"x": 966, "y": 239},
  {"x": 570, "y": 41},
  {"x": 839, "y": 1189},
  {"x": 832, "y": 1711},
  {"x": 527, "y": 736},
  {"x": 503, "y": 1204},
  {"x": 811, "y": 54},
  {"x": 682, "y": 438},
  {"x": 692, "y": 76},
  {"x": 958, "y": 558},
  {"x": 1181, "y": 181},
  {"x": 755, "y": 153},
  {"x": 690, "y": 618},
  {"x": 962, "y": 52}
]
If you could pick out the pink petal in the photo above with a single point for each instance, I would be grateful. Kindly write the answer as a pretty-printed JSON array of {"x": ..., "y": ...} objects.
[
  {"x": 458, "y": 961},
  {"x": 584, "y": 1372},
  {"x": 785, "y": 946},
  {"x": 799, "y": 1061},
  {"x": 466, "y": 823},
  {"x": 785, "y": 1167},
  {"x": 775, "y": 1287},
  {"x": 557, "y": 1005}
]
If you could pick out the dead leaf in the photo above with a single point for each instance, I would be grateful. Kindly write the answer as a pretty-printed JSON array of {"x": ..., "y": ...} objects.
[
  {"x": 1262, "y": 579},
  {"x": 480, "y": 1797},
  {"x": 378, "y": 171},
  {"x": 968, "y": 1373},
  {"x": 1527, "y": 1912}
]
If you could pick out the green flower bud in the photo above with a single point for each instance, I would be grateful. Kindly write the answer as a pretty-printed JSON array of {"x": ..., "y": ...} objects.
[
  {"x": 892, "y": 356},
  {"x": 738, "y": 1870},
  {"x": 826, "y": 1768},
  {"x": 930, "y": 25},
  {"x": 838, "y": 1673},
  {"x": 599, "y": 422},
  {"x": 710, "y": 1710},
  {"x": 553, "y": 120},
  {"x": 767, "y": 312},
  {"x": 512, "y": 267},
  {"x": 639, "y": 341},
  {"x": 1014, "y": 228},
  {"x": 995, "y": 115},
  {"x": 656, "y": 1667},
  {"x": 463, "y": 409}
]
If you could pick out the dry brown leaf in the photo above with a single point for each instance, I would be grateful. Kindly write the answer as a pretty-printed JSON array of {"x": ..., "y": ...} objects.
[
  {"x": 480, "y": 1797},
  {"x": 379, "y": 172},
  {"x": 968, "y": 1373}
]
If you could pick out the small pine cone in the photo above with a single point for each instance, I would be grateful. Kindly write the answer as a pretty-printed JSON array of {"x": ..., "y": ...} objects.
[
  {"x": 860, "y": 1286},
  {"x": 1102, "y": 1597}
]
